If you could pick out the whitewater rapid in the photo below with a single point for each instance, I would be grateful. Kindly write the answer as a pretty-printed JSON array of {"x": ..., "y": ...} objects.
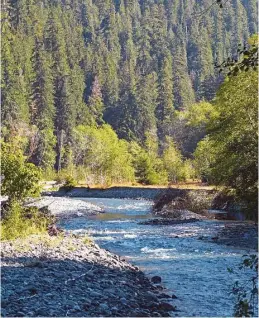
[{"x": 194, "y": 270}]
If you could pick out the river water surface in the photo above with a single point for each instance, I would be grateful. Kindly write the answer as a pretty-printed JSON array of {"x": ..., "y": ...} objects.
[{"x": 194, "y": 270}]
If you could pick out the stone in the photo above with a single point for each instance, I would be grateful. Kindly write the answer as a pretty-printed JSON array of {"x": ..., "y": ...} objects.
[
  {"x": 156, "y": 279},
  {"x": 166, "y": 307},
  {"x": 76, "y": 308},
  {"x": 150, "y": 296},
  {"x": 114, "y": 309},
  {"x": 174, "y": 296},
  {"x": 123, "y": 300},
  {"x": 86, "y": 306},
  {"x": 104, "y": 307},
  {"x": 163, "y": 295},
  {"x": 95, "y": 294}
]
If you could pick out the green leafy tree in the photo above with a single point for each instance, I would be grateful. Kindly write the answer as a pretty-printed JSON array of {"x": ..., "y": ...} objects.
[
  {"x": 20, "y": 179},
  {"x": 236, "y": 137},
  {"x": 230, "y": 150},
  {"x": 173, "y": 162},
  {"x": 104, "y": 156}
]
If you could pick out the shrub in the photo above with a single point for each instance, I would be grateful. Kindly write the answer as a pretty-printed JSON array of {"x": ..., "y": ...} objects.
[
  {"x": 246, "y": 293},
  {"x": 21, "y": 179},
  {"x": 70, "y": 182},
  {"x": 20, "y": 222},
  {"x": 177, "y": 169}
]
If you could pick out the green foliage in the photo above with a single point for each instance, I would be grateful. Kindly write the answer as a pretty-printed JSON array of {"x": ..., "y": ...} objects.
[
  {"x": 200, "y": 114},
  {"x": 228, "y": 156},
  {"x": 247, "y": 58},
  {"x": 147, "y": 165},
  {"x": 127, "y": 63},
  {"x": 104, "y": 156},
  {"x": 150, "y": 168},
  {"x": 20, "y": 222},
  {"x": 246, "y": 292},
  {"x": 147, "y": 170},
  {"x": 21, "y": 179},
  {"x": 70, "y": 182},
  {"x": 204, "y": 158},
  {"x": 235, "y": 136},
  {"x": 173, "y": 162}
]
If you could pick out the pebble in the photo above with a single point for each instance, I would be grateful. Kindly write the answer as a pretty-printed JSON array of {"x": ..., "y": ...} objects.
[{"x": 97, "y": 284}]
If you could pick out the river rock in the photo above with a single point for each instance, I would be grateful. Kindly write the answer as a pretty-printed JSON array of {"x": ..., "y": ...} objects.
[
  {"x": 151, "y": 296},
  {"x": 167, "y": 306},
  {"x": 156, "y": 279},
  {"x": 163, "y": 295},
  {"x": 96, "y": 284}
]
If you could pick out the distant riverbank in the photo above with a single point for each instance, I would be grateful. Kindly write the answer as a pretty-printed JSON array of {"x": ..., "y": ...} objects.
[{"x": 118, "y": 192}]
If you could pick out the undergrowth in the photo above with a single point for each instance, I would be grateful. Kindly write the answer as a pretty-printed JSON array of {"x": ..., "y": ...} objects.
[
  {"x": 246, "y": 293},
  {"x": 19, "y": 221}
]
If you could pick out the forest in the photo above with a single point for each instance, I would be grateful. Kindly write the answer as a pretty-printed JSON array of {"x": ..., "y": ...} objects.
[{"x": 127, "y": 91}]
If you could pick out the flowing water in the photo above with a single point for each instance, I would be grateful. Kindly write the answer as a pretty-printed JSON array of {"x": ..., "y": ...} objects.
[{"x": 194, "y": 270}]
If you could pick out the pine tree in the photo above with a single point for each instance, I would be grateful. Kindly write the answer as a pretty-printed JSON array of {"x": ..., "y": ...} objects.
[
  {"x": 165, "y": 108},
  {"x": 95, "y": 102}
]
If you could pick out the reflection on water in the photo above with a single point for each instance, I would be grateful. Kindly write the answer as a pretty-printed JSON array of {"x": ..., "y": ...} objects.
[{"x": 194, "y": 270}]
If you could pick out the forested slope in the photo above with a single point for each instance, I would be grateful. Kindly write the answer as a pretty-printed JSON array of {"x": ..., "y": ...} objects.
[{"x": 68, "y": 65}]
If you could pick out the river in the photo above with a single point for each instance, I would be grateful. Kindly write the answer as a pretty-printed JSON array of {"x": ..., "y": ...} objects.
[{"x": 194, "y": 270}]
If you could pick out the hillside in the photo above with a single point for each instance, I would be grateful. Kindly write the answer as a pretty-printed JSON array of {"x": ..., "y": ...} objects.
[{"x": 130, "y": 64}]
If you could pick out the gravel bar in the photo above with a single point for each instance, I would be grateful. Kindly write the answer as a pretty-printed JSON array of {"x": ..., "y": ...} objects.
[{"x": 70, "y": 276}]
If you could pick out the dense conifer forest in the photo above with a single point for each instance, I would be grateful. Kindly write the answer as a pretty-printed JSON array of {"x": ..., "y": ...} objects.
[{"x": 102, "y": 85}]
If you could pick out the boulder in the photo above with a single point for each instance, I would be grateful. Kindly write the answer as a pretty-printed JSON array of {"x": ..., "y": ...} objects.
[{"x": 156, "y": 279}]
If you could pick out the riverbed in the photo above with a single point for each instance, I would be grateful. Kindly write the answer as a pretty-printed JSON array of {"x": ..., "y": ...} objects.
[{"x": 193, "y": 269}]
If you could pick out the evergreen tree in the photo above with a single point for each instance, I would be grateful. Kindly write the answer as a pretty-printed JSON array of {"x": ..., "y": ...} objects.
[
  {"x": 165, "y": 108},
  {"x": 129, "y": 63},
  {"x": 95, "y": 102}
]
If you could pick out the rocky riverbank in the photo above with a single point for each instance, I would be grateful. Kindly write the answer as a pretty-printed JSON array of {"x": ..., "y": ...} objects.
[
  {"x": 64, "y": 207},
  {"x": 167, "y": 221},
  {"x": 115, "y": 192},
  {"x": 45, "y": 276},
  {"x": 238, "y": 234}
]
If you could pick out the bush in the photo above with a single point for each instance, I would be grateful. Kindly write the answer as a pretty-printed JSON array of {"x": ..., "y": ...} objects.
[
  {"x": 21, "y": 179},
  {"x": 177, "y": 169},
  {"x": 247, "y": 292},
  {"x": 20, "y": 222},
  {"x": 70, "y": 182},
  {"x": 49, "y": 175}
]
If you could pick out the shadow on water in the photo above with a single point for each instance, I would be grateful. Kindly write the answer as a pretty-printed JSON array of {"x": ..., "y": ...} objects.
[{"x": 57, "y": 288}]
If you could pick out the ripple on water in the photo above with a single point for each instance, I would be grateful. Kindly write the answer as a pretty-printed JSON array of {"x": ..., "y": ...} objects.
[{"x": 195, "y": 270}]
